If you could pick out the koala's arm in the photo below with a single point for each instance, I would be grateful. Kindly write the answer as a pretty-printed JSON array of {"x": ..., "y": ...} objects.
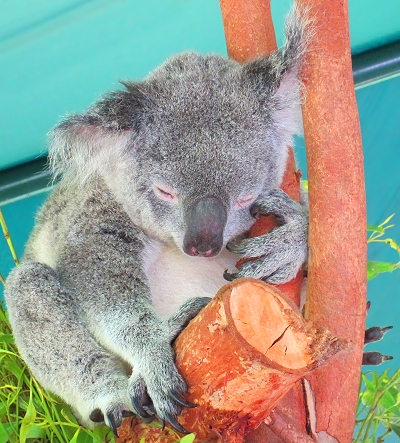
[
  {"x": 103, "y": 260},
  {"x": 282, "y": 251},
  {"x": 72, "y": 321}
]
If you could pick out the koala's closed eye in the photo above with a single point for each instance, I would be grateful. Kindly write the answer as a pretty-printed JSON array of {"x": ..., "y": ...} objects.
[
  {"x": 165, "y": 192},
  {"x": 245, "y": 201}
]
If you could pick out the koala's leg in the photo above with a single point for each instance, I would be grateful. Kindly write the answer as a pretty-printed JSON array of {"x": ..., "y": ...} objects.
[{"x": 60, "y": 351}]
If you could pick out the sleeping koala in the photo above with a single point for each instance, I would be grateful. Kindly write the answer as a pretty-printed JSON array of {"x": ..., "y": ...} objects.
[{"x": 156, "y": 182}]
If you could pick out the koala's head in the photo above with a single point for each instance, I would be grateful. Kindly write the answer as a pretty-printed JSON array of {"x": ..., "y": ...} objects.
[{"x": 191, "y": 147}]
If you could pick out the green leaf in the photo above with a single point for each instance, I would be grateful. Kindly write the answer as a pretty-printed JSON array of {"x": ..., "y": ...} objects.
[
  {"x": 102, "y": 434},
  {"x": 369, "y": 384},
  {"x": 387, "y": 221},
  {"x": 378, "y": 267},
  {"x": 375, "y": 229},
  {"x": 188, "y": 438},
  {"x": 28, "y": 421},
  {"x": 367, "y": 397},
  {"x": 36, "y": 432},
  {"x": 67, "y": 414},
  {"x": 6, "y": 338},
  {"x": 392, "y": 244},
  {"x": 395, "y": 429},
  {"x": 74, "y": 439},
  {"x": 5, "y": 432},
  {"x": 14, "y": 368},
  {"x": 387, "y": 400}
]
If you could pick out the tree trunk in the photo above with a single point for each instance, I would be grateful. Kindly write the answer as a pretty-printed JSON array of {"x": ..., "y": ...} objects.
[{"x": 336, "y": 291}]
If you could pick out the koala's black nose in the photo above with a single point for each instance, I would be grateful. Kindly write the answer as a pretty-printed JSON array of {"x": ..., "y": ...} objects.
[{"x": 205, "y": 221}]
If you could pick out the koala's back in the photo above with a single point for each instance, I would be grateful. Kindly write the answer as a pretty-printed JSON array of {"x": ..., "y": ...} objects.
[
  {"x": 52, "y": 225},
  {"x": 65, "y": 214}
]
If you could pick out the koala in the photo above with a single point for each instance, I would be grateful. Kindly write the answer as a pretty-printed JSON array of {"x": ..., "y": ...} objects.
[{"x": 157, "y": 182}]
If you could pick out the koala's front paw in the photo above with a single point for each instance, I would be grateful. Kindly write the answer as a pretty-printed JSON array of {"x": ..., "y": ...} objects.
[
  {"x": 178, "y": 321},
  {"x": 282, "y": 251},
  {"x": 157, "y": 388}
]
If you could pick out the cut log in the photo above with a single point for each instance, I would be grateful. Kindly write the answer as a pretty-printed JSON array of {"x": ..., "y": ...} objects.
[{"x": 242, "y": 353}]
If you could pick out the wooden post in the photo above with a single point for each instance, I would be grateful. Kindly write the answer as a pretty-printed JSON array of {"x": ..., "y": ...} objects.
[{"x": 336, "y": 294}]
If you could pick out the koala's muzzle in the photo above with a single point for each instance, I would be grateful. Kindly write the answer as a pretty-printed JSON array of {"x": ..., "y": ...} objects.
[{"x": 205, "y": 222}]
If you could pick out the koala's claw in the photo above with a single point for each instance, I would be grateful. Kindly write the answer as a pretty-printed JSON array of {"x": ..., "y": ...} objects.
[
  {"x": 178, "y": 321},
  {"x": 150, "y": 408},
  {"x": 255, "y": 211},
  {"x": 374, "y": 358},
  {"x": 182, "y": 401},
  {"x": 375, "y": 333},
  {"x": 175, "y": 424},
  {"x": 140, "y": 411},
  {"x": 114, "y": 420},
  {"x": 278, "y": 255},
  {"x": 229, "y": 276}
]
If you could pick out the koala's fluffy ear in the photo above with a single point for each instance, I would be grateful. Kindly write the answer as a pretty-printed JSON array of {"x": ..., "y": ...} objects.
[
  {"x": 83, "y": 142},
  {"x": 275, "y": 79}
]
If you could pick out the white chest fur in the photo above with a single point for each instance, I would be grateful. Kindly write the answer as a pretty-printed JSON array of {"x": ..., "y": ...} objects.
[{"x": 175, "y": 277}]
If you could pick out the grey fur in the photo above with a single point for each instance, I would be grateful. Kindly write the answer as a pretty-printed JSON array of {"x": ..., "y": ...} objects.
[{"x": 104, "y": 286}]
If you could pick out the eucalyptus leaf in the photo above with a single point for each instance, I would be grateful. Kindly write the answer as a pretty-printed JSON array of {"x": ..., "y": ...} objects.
[
  {"x": 387, "y": 400},
  {"x": 5, "y": 432},
  {"x": 395, "y": 429},
  {"x": 36, "y": 431},
  {"x": 379, "y": 267},
  {"x": 6, "y": 338},
  {"x": 375, "y": 229},
  {"x": 187, "y": 438},
  {"x": 74, "y": 439},
  {"x": 367, "y": 397},
  {"x": 370, "y": 385}
]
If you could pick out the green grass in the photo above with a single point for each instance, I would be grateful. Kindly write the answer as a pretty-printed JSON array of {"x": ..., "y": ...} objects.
[{"x": 378, "y": 411}]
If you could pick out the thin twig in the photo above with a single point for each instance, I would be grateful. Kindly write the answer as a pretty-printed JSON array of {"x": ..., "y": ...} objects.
[{"x": 8, "y": 238}]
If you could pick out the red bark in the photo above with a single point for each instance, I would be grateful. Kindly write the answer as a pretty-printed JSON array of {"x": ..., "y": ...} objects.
[
  {"x": 249, "y": 30},
  {"x": 336, "y": 294}
]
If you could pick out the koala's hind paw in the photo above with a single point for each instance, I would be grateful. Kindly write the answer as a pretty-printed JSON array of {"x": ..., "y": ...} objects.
[
  {"x": 282, "y": 251},
  {"x": 112, "y": 416}
]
